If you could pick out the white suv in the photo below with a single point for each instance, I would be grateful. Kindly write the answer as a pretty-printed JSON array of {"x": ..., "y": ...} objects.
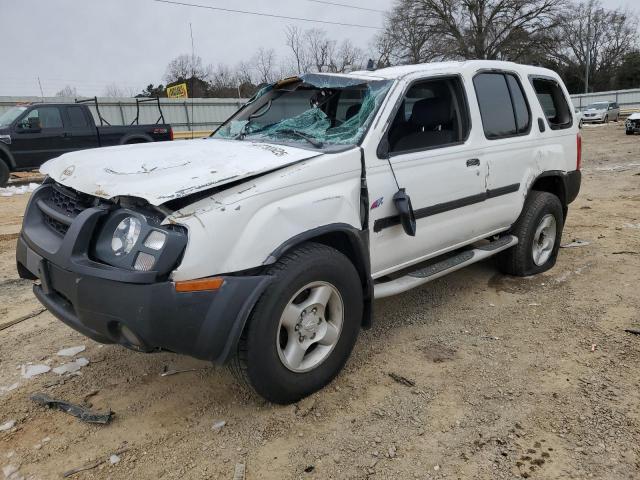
[{"x": 264, "y": 246}]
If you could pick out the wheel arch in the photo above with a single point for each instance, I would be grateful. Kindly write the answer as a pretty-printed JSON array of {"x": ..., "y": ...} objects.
[
  {"x": 348, "y": 240},
  {"x": 553, "y": 182},
  {"x": 135, "y": 138}
]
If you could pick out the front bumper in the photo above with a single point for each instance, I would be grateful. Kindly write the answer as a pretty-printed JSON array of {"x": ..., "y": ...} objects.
[
  {"x": 632, "y": 126},
  {"x": 140, "y": 312},
  {"x": 597, "y": 119}
]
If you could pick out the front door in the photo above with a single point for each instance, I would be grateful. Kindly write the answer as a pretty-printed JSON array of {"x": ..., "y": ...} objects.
[
  {"x": 38, "y": 136},
  {"x": 442, "y": 174}
]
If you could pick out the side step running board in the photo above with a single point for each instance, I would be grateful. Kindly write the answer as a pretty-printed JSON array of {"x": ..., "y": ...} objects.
[{"x": 439, "y": 269}]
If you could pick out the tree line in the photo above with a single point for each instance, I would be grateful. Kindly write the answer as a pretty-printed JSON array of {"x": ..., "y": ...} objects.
[{"x": 559, "y": 34}]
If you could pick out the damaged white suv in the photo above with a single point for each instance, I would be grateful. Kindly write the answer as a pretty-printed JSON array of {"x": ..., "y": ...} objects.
[{"x": 264, "y": 246}]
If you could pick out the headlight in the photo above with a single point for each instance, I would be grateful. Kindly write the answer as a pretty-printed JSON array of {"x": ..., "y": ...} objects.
[
  {"x": 133, "y": 241},
  {"x": 126, "y": 236}
]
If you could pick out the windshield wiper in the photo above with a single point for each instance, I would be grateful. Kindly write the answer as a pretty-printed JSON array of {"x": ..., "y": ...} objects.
[{"x": 311, "y": 140}]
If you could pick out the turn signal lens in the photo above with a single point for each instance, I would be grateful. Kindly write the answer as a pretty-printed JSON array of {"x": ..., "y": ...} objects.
[
  {"x": 144, "y": 262},
  {"x": 201, "y": 285}
]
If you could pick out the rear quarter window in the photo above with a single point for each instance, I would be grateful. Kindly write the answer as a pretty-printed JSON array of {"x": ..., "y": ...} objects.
[{"x": 553, "y": 102}]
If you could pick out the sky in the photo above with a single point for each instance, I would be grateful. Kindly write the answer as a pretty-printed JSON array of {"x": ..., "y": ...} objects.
[{"x": 90, "y": 44}]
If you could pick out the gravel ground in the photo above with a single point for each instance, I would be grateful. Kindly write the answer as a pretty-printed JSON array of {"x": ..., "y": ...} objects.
[{"x": 514, "y": 378}]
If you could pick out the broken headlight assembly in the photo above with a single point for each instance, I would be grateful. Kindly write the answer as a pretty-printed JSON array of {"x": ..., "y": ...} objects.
[{"x": 130, "y": 240}]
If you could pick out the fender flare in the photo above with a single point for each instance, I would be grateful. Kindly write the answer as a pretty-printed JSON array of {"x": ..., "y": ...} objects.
[
  {"x": 570, "y": 184},
  {"x": 5, "y": 153},
  {"x": 359, "y": 254}
]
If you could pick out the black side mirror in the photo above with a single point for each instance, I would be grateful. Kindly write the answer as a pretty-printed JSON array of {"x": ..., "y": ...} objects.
[
  {"x": 402, "y": 202},
  {"x": 541, "y": 125},
  {"x": 383, "y": 148}
]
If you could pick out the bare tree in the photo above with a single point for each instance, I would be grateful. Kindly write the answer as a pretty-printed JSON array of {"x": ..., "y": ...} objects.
[
  {"x": 184, "y": 67},
  {"x": 67, "y": 91},
  {"x": 347, "y": 57},
  {"x": 605, "y": 36},
  {"x": 320, "y": 48},
  {"x": 296, "y": 43},
  {"x": 485, "y": 29},
  {"x": 264, "y": 61}
]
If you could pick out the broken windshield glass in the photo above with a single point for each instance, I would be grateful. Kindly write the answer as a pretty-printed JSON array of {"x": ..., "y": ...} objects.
[{"x": 314, "y": 109}]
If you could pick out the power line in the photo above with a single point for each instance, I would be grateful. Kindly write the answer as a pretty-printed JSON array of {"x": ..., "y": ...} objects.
[
  {"x": 259, "y": 14},
  {"x": 335, "y": 4}
]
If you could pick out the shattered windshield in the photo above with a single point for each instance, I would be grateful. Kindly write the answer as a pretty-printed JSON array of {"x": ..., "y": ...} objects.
[{"x": 313, "y": 109}]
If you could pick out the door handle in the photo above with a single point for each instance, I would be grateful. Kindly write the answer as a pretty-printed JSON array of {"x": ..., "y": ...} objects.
[{"x": 473, "y": 162}]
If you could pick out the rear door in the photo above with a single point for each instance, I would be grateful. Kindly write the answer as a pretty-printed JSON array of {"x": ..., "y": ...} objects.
[
  {"x": 80, "y": 131},
  {"x": 509, "y": 148},
  {"x": 436, "y": 164},
  {"x": 39, "y": 136}
]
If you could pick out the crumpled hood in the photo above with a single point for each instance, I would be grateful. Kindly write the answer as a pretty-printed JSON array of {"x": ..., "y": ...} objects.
[
  {"x": 634, "y": 116},
  {"x": 163, "y": 171}
]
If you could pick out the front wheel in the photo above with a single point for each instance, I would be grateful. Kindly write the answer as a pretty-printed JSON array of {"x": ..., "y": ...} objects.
[
  {"x": 629, "y": 132},
  {"x": 606, "y": 119},
  {"x": 303, "y": 328},
  {"x": 539, "y": 230}
]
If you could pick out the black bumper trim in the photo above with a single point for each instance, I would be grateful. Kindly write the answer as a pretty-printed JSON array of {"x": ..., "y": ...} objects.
[{"x": 204, "y": 325}]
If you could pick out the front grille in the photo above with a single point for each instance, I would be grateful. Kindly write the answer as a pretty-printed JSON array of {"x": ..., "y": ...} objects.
[{"x": 66, "y": 201}]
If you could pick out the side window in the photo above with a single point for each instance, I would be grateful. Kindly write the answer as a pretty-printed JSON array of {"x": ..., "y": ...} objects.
[
  {"x": 42, "y": 117},
  {"x": 432, "y": 114},
  {"x": 503, "y": 106},
  {"x": 76, "y": 117},
  {"x": 553, "y": 102}
]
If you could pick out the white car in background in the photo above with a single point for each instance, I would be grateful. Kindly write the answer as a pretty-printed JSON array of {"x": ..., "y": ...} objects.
[
  {"x": 632, "y": 125},
  {"x": 578, "y": 113},
  {"x": 601, "y": 112}
]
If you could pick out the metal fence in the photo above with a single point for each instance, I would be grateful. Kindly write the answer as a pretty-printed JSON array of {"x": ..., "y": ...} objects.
[
  {"x": 205, "y": 114},
  {"x": 627, "y": 99},
  {"x": 183, "y": 115}
]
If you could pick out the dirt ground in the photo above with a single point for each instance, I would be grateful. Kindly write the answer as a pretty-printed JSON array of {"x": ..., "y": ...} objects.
[{"x": 514, "y": 378}]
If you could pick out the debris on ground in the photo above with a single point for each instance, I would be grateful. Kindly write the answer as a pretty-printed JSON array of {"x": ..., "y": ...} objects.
[
  {"x": 71, "y": 367},
  {"x": 10, "y": 471},
  {"x": 71, "y": 351},
  {"x": 402, "y": 380},
  {"x": 11, "y": 190},
  {"x": 30, "y": 371},
  {"x": 632, "y": 330},
  {"x": 575, "y": 243},
  {"x": 9, "y": 388},
  {"x": 7, "y": 426},
  {"x": 78, "y": 411},
  {"x": 217, "y": 425},
  {"x": 626, "y": 252},
  {"x": 304, "y": 406},
  {"x": 11, "y": 323},
  {"x": 114, "y": 459},
  {"x": 97, "y": 463},
  {"x": 593, "y": 347},
  {"x": 239, "y": 471},
  {"x": 167, "y": 372}
]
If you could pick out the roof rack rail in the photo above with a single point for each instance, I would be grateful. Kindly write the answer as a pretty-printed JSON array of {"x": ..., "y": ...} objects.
[
  {"x": 94, "y": 100},
  {"x": 145, "y": 100}
]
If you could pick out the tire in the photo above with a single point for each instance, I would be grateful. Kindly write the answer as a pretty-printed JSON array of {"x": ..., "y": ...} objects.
[
  {"x": 606, "y": 119},
  {"x": 581, "y": 124},
  {"x": 520, "y": 260},
  {"x": 629, "y": 132},
  {"x": 262, "y": 357},
  {"x": 4, "y": 173}
]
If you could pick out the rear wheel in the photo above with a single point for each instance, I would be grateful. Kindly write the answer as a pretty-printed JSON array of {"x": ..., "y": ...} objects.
[
  {"x": 304, "y": 326},
  {"x": 539, "y": 230},
  {"x": 4, "y": 173}
]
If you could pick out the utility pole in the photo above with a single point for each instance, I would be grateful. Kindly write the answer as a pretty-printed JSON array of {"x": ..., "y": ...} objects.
[
  {"x": 588, "y": 57},
  {"x": 41, "y": 92}
]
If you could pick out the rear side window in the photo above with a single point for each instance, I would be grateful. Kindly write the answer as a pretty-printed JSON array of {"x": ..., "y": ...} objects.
[
  {"x": 76, "y": 117},
  {"x": 553, "y": 103},
  {"x": 503, "y": 106}
]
